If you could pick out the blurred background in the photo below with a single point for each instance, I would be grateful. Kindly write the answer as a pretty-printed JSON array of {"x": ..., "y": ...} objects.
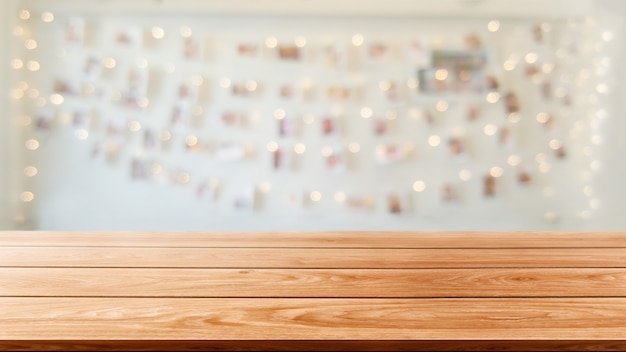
[{"x": 312, "y": 115}]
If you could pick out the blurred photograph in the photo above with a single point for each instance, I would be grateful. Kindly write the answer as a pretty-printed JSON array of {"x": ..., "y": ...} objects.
[{"x": 454, "y": 72}]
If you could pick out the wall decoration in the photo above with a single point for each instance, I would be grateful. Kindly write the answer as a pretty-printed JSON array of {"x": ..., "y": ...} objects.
[{"x": 480, "y": 114}]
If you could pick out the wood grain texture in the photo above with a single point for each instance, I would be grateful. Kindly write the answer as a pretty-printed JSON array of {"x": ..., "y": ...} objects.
[
  {"x": 147, "y": 291},
  {"x": 312, "y": 319},
  {"x": 329, "y": 283},
  {"x": 314, "y": 345},
  {"x": 329, "y": 239},
  {"x": 309, "y": 257}
]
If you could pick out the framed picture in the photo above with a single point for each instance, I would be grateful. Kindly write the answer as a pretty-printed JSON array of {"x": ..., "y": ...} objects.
[{"x": 456, "y": 72}]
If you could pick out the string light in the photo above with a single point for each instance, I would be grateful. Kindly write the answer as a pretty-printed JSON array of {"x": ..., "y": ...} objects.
[
  {"x": 30, "y": 171},
  {"x": 271, "y": 42},
  {"x": 299, "y": 148},
  {"x": 27, "y": 196},
  {"x": 434, "y": 140},
  {"x": 300, "y": 42},
  {"x": 339, "y": 197},
  {"x": 465, "y": 175},
  {"x": 441, "y": 106},
  {"x": 24, "y": 14},
  {"x": 47, "y": 17},
  {"x": 366, "y": 112},
  {"x": 490, "y": 129},
  {"x": 419, "y": 186},
  {"x": 272, "y": 146},
  {"x": 493, "y": 26},
  {"x": 185, "y": 31},
  {"x": 316, "y": 196},
  {"x": 279, "y": 114},
  {"x": 32, "y": 144},
  {"x": 158, "y": 32},
  {"x": 357, "y": 40},
  {"x": 496, "y": 171},
  {"x": 225, "y": 82}
]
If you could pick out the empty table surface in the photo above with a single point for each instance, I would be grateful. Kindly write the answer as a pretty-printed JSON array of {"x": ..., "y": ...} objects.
[{"x": 312, "y": 291}]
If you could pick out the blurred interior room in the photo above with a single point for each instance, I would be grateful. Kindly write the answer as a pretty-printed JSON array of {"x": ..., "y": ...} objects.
[{"x": 312, "y": 115}]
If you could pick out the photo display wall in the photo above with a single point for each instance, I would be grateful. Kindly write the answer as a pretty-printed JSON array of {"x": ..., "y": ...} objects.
[{"x": 407, "y": 121}]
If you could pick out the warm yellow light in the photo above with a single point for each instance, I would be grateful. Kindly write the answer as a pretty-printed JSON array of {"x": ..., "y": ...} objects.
[
  {"x": 109, "y": 62},
  {"x": 354, "y": 147},
  {"x": 251, "y": 85},
  {"x": 340, "y": 197},
  {"x": 531, "y": 58},
  {"x": 24, "y": 14},
  {"x": 30, "y": 44},
  {"x": 384, "y": 85},
  {"x": 316, "y": 196},
  {"x": 434, "y": 140},
  {"x": 441, "y": 106},
  {"x": 366, "y": 112},
  {"x": 47, "y": 17},
  {"x": 496, "y": 171},
  {"x": 300, "y": 41},
  {"x": 56, "y": 99},
  {"x": 465, "y": 175},
  {"x": 272, "y": 146},
  {"x": 490, "y": 129},
  {"x": 513, "y": 160},
  {"x": 225, "y": 82},
  {"x": 265, "y": 187},
  {"x": 185, "y": 31},
  {"x": 134, "y": 126},
  {"x": 27, "y": 196},
  {"x": 184, "y": 178},
  {"x": 299, "y": 148},
  {"x": 493, "y": 26},
  {"x": 279, "y": 114},
  {"x": 32, "y": 144},
  {"x": 30, "y": 171},
  {"x": 271, "y": 42},
  {"x": 81, "y": 134},
  {"x": 158, "y": 32},
  {"x": 441, "y": 74},
  {"x": 493, "y": 97},
  {"x": 412, "y": 83},
  {"x": 33, "y": 65},
  {"x": 419, "y": 186},
  {"x": 191, "y": 141}
]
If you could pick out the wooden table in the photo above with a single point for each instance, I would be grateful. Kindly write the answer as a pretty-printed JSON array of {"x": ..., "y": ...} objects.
[{"x": 312, "y": 291}]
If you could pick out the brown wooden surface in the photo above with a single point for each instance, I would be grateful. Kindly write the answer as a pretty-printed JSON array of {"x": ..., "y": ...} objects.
[
  {"x": 310, "y": 319},
  {"x": 329, "y": 239},
  {"x": 340, "y": 258},
  {"x": 312, "y": 291},
  {"x": 328, "y": 283}
]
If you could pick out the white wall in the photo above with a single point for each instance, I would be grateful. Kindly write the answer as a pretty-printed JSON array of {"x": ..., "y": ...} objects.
[
  {"x": 7, "y": 131},
  {"x": 75, "y": 193}
]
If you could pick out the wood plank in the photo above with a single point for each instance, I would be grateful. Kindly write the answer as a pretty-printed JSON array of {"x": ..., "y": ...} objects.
[
  {"x": 308, "y": 258},
  {"x": 330, "y": 239},
  {"x": 312, "y": 319},
  {"x": 365, "y": 283},
  {"x": 314, "y": 345}
]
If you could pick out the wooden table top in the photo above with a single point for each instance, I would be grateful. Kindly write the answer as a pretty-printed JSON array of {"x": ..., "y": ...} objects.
[{"x": 312, "y": 291}]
